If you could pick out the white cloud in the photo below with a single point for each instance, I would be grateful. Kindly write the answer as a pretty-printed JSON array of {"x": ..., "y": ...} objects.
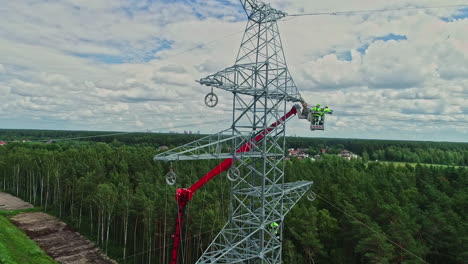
[
  {"x": 139, "y": 124},
  {"x": 126, "y": 65}
]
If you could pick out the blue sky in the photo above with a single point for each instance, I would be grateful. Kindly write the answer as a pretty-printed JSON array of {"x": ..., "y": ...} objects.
[
  {"x": 160, "y": 45},
  {"x": 129, "y": 65},
  {"x": 460, "y": 14},
  {"x": 388, "y": 37}
]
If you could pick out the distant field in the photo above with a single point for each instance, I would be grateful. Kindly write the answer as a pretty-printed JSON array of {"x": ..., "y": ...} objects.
[{"x": 16, "y": 247}]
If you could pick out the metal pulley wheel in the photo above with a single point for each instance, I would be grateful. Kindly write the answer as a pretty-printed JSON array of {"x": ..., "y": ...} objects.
[
  {"x": 311, "y": 196},
  {"x": 233, "y": 174},
  {"x": 211, "y": 99},
  {"x": 171, "y": 177}
]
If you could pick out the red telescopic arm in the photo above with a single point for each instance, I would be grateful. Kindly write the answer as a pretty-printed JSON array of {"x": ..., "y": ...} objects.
[
  {"x": 183, "y": 196},
  {"x": 226, "y": 164}
]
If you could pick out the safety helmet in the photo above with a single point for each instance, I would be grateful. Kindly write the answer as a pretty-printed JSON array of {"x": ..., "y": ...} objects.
[
  {"x": 318, "y": 104},
  {"x": 326, "y": 106}
]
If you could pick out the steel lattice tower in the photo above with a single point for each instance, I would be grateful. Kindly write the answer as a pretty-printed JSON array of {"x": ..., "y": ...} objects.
[{"x": 261, "y": 86}]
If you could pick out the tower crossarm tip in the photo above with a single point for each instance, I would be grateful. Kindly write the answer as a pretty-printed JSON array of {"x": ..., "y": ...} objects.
[{"x": 261, "y": 12}]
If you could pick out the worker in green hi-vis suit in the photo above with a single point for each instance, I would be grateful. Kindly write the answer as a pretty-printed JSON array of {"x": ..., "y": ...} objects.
[
  {"x": 322, "y": 113},
  {"x": 274, "y": 228}
]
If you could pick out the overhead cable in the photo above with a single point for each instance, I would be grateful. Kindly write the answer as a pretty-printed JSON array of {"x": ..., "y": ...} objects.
[
  {"x": 376, "y": 10},
  {"x": 124, "y": 133},
  {"x": 372, "y": 229},
  {"x": 408, "y": 117}
]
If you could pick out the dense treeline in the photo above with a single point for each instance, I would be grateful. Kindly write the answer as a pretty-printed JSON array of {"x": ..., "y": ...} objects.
[
  {"x": 116, "y": 195},
  {"x": 422, "y": 209},
  {"x": 142, "y": 139},
  {"x": 445, "y": 153}
]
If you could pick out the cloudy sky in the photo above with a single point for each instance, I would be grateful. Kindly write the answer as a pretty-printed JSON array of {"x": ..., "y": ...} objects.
[{"x": 130, "y": 65}]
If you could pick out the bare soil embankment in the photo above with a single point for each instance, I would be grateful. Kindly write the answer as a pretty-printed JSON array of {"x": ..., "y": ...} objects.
[
  {"x": 59, "y": 240},
  {"x": 55, "y": 237}
]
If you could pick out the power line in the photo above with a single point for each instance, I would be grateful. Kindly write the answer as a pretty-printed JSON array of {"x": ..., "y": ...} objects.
[
  {"x": 376, "y": 10},
  {"x": 402, "y": 118},
  {"x": 370, "y": 228},
  {"x": 125, "y": 133},
  {"x": 292, "y": 16},
  {"x": 199, "y": 46},
  {"x": 84, "y": 137}
]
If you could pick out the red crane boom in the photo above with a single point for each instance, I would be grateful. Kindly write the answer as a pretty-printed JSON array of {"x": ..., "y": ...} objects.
[{"x": 183, "y": 196}]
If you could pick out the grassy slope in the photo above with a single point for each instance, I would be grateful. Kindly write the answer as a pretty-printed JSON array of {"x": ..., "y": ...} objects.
[{"x": 16, "y": 247}]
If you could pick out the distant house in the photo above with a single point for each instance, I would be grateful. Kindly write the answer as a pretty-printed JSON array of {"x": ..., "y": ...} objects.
[
  {"x": 345, "y": 154},
  {"x": 348, "y": 155},
  {"x": 2, "y": 143},
  {"x": 299, "y": 154},
  {"x": 323, "y": 151},
  {"x": 293, "y": 152}
]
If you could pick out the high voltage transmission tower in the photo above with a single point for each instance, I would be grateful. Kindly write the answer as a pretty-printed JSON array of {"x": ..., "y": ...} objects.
[{"x": 252, "y": 149}]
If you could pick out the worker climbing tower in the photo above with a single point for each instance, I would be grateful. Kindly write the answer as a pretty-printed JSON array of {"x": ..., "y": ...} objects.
[{"x": 252, "y": 149}]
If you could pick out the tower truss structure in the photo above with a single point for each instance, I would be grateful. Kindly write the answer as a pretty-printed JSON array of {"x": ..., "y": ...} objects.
[{"x": 261, "y": 86}]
